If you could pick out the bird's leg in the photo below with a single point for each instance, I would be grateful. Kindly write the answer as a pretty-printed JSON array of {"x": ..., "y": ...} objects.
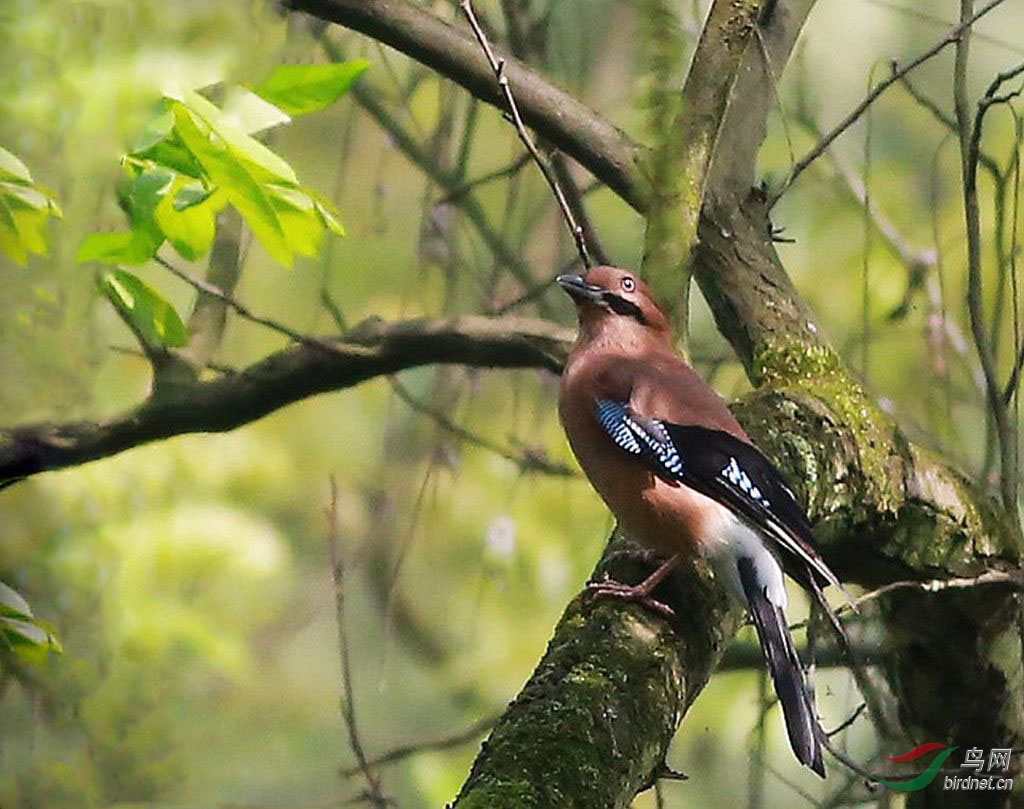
[{"x": 639, "y": 593}]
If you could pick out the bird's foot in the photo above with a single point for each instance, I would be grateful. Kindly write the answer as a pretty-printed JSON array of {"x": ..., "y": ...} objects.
[{"x": 637, "y": 593}]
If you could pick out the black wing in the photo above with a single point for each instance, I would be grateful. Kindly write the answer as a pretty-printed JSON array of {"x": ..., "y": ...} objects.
[{"x": 726, "y": 469}]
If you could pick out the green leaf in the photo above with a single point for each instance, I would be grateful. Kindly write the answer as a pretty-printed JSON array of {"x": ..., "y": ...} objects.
[
  {"x": 237, "y": 142},
  {"x": 329, "y": 217},
  {"x": 23, "y": 631},
  {"x": 301, "y": 89},
  {"x": 133, "y": 247},
  {"x": 251, "y": 113},
  {"x": 193, "y": 194},
  {"x": 240, "y": 171},
  {"x": 193, "y": 159},
  {"x": 148, "y": 312},
  {"x": 29, "y": 641},
  {"x": 12, "y": 604},
  {"x": 25, "y": 209},
  {"x": 11, "y": 168},
  {"x": 190, "y": 223},
  {"x": 26, "y": 636},
  {"x": 139, "y": 245},
  {"x": 157, "y": 130}
]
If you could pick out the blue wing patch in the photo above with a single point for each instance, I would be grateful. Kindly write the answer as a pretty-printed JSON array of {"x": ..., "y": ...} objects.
[
  {"x": 613, "y": 417},
  {"x": 640, "y": 436}
]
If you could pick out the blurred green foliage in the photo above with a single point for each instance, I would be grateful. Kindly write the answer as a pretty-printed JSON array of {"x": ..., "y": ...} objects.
[{"x": 188, "y": 581}]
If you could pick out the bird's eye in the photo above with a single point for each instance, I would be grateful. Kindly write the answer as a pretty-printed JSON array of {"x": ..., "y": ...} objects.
[{"x": 627, "y": 284}]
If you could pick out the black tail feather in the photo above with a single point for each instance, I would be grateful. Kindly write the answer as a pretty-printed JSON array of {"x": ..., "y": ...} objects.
[{"x": 787, "y": 673}]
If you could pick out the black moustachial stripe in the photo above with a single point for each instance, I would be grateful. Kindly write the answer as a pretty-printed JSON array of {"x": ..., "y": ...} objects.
[{"x": 621, "y": 306}]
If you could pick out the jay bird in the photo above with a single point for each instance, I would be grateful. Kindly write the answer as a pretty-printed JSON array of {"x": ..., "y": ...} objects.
[{"x": 682, "y": 477}]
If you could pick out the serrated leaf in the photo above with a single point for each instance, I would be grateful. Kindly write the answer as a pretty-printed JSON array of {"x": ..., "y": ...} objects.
[
  {"x": 301, "y": 89},
  {"x": 145, "y": 308}
]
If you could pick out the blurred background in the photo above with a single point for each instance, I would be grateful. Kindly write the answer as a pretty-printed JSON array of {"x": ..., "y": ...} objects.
[{"x": 189, "y": 581}]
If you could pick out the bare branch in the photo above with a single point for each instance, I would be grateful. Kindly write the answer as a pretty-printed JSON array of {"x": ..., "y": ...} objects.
[
  {"x": 526, "y": 461},
  {"x": 207, "y": 321},
  {"x": 451, "y": 181},
  {"x": 498, "y": 67},
  {"x": 317, "y": 365},
  {"x": 405, "y": 751},
  {"x": 1010, "y": 578},
  {"x": 215, "y": 292},
  {"x": 969, "y": 134},
  {"x": 953, "y": 36},
  {"x": 571, "y": 126},
  {"x": 511, "y": 170},
  {"x": 348, "y": 704}
]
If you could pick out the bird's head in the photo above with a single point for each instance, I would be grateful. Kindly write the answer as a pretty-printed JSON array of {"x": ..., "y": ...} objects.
[{"x": 608, "y": 298}]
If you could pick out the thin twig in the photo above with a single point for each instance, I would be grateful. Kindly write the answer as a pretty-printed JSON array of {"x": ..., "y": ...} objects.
[
  {"x": 755, "y": 788},
  {"x": 243, "y": 311},
  {"x": 944, "y": 22},
  {"x": 951, "y": 37},
  {"x": 848, "y": 721},
  {"x": 528, "y": 296},
  {"x": 574, "y": 196},
  {"x": 659, "y": 798},
  {"x": 969, "y": 134},
  {"x": 498, "y": 66},
  {"x": 1013, "y": 383},
  {"x": 348, "y": 707},
  {"x": 504, "y": 173},
  {"x": 412, "y": 147},
  {"x": 808, "y": 799},
  {"x": 405, "y": 751},
  {"x": 865, "y": 266},
  {"x": 527, "y": 462},
  {"x": 1014, "y": 578},
  {"x": 870, "y": 778}
]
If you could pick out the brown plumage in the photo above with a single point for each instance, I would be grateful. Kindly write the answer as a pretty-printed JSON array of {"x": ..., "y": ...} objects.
[
  {"x": 681, "y": 476},
  {"x": 618, "y": 357}
]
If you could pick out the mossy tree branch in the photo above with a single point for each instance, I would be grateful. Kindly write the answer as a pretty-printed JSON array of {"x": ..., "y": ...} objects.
[{"x": 680, "y": 166}]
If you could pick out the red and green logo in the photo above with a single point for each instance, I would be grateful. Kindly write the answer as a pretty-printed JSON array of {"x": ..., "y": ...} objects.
[{"x": 925, "y": 778}]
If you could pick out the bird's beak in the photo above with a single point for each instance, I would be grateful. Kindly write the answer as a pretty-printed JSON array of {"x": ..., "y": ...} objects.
[{"x": 579, "y": 290}]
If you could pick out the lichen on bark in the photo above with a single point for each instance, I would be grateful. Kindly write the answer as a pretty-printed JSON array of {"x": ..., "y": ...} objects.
[{"x": 591, "y": 726}]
